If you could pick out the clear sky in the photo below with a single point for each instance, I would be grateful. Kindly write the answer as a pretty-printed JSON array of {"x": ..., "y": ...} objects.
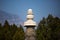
[{"x": 41, "y": 8}]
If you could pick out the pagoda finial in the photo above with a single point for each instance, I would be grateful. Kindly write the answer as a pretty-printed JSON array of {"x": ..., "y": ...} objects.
[{"x": 30, "y": 11}]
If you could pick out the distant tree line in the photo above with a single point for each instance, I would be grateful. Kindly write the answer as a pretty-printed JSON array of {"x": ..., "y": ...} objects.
[
  {"x": 11, "y": 32},
  {"x": 48, "y": 29}
]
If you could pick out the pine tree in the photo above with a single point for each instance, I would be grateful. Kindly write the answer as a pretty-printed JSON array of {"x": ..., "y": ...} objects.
[
  {"x": 49, "y": 28},
  {"x": 19, "y": 35}
]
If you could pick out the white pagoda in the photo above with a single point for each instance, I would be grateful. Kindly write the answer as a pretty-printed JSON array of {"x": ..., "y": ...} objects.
[{"x": 30, "y": 25}]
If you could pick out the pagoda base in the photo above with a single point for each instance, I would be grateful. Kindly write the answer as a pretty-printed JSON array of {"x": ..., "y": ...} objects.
[{"x": 30, "y": 34}]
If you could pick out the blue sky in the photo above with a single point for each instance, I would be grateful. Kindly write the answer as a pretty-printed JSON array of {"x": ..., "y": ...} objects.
[{"x": 41, "y": 8}]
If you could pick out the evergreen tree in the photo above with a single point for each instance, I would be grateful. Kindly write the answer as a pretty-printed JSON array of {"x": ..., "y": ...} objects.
[
  {"x": 6, "y": 31},
  {"x": 19, "y": 35},
  {"x": 49, "y": 28}
]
